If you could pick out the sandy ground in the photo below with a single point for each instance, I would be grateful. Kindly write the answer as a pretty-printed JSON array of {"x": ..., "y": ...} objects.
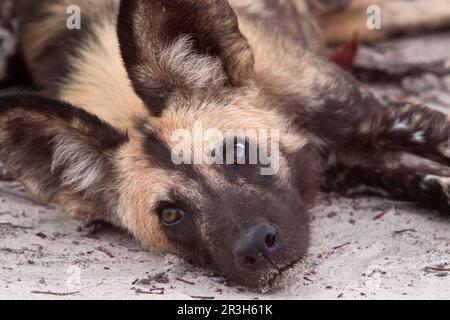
[{"x": 364, "y": 248}]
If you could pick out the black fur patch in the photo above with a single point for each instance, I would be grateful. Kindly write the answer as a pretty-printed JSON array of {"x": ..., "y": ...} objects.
[
  {"x": 104, "y": 134},
  {"x": 212, "y": 26},
  {"x": 55, "y": 57},
  {"x": 26, "y": 147}
]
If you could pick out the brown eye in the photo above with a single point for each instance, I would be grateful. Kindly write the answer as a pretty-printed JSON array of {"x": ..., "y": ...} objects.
[{"x": 171, "y": 216}]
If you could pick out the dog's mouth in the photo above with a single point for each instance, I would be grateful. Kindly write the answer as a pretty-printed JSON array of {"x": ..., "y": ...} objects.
[
  {"x": 270, "y": 279},
  {"x": 280, "y": 273}
]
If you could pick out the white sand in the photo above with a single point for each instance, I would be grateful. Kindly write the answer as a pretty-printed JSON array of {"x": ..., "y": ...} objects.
[{"x": 375, "y": 263}]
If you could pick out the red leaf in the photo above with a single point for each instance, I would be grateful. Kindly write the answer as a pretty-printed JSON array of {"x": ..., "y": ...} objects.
[{"x": 344, "y": 55}]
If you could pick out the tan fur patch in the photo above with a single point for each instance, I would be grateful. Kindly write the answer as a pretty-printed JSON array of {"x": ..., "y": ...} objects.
[
  {"x": 280, "y": 78},
  {"x": 396, "y": 16},
  {"x": 138, "y": 199},
  {"x": 36, "y": 36},
  {"x": 95, "y": 63},
  {"x": 98, "y": 64}
]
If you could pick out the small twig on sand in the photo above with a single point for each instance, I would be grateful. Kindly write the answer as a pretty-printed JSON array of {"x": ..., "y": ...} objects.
[
  {"x": 185, "y": 281},
  {"x": 156, "y": 291},
  {"x": 404, "y": 230},
  {"x": 437, "y": 269},
  {"x": 203, "y": 298},
  {"x": 63, "y": 294},
  {"x": 342, "y": 245},
  {"x": 382, "y": 214},
  {"x": 105, "y": 251},
  {"x": 10, "y": 225}
]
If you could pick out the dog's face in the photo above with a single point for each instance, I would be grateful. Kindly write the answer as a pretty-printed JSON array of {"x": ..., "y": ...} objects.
[
  {"x": 246, "y": 219},
  {"x": 226, "y": 184},
  {"x": 210, "y": 173}
]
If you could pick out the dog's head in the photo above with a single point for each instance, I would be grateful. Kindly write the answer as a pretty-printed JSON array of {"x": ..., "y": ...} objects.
[{"x": 211, "y": 173}]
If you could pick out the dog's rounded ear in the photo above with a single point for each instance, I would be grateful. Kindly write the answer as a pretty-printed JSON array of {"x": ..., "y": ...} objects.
[
  {"x": 177, "y": 47},
  {"x": 62, "y": 154}
]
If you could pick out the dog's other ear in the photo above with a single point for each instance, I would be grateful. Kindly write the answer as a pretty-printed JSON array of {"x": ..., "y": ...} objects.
[
  {"x": 62, "y": 154},
  {"x": 179, "y": 47}
]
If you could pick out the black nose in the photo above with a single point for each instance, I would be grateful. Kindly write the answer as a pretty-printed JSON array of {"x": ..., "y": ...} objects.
[{"x": 258, "y": 245}]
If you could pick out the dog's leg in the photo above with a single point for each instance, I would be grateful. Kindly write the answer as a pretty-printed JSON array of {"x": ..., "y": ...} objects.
[
  {"x": 398, "y": 175},
  {"x": 399, "y": 151},
  {"x": 402, "y": 151},
  {"x": 349, "y": 116},
  {"x": 409, "y": 127},
  {"x": 356, "y": 132},
  {"x": 343, "y": 117},
  {"x": 396, "y": 16}
]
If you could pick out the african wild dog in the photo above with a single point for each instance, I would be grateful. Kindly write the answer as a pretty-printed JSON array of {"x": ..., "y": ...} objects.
[{"x": 97, "y": 138}]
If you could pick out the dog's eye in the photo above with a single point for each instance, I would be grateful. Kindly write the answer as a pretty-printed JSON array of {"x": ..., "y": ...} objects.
[{"x": 171, "y": 216}]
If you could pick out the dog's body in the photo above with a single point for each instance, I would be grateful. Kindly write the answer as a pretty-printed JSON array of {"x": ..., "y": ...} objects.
[
  {"x": 65, "y": 63},
  {"x": 148, "y": 68}
]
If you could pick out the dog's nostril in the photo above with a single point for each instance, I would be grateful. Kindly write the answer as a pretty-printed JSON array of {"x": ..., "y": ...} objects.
[
  {"x": 271, "y": 240},
  {"x": 259, "y": 244}
]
